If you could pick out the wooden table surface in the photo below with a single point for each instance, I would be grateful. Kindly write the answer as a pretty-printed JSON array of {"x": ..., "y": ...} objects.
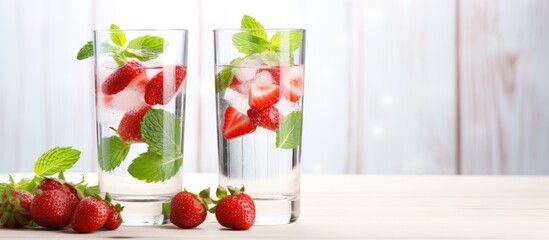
[{"x": 375, "y": 207}]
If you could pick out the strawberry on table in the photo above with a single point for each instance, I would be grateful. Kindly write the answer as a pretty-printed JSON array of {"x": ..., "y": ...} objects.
[
  {"x": 129, "y": 128},
  {"x": 263, "y": 95},
  {"x": 164, "y": 85},
  {"x": 114, "y": 220},
  {"x": 14, "y": 208},
  {"x": 268, "y": 118},
  {"x": 236, "y": 124},
  {"x": 51, "y": 184},
  {"x": 235, "y": 210},
  {"x": 52, "y": 209},
  {"x": 90, "y": 215},
  {"x": 122, "y": 77},
  {"x": 188, "y": 210}
]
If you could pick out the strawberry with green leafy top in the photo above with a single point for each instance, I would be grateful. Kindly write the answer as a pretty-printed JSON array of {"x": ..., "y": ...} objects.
[
  {"x": 188, "y": 210},
  {"x": 51, "y": 209},
  {"x": 92, "y": 213},
  {"x": 49, "y": 184},
  {"x": 235, "y": 209},
  {"x": 114, "y": 220},
  {"x": 14, "y": 208}
]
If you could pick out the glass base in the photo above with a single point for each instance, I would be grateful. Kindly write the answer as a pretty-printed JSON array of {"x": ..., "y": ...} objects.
[
  {"x": 276, "y": 210},
  {"x": 144, "y": 210}
]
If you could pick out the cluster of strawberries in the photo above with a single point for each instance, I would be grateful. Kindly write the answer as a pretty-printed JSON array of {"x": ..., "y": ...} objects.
[
  {"x": 159, "y": 89},
  {"x": 57, "y": 205},
  {"x": 262, "y": 98},
  {"x": 234, "y": 209}
]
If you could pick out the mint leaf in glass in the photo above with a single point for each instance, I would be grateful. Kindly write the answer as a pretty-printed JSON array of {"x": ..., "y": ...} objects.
[
  {"x": 152, "y": 167},
  {"x": 114, "y": 150},
  {"x": 293, "y": 38},
  {"x": 86, "y": 51},
  {"x": 288, "y": 134},
  {"x": 224, "y": 78},
  {"x": 248, "y": 43},
  {"x": 145, "y": 48},
  {"x": 117, "y": 37},
  {"x": 161, "y": 130},
  {"x": 270, "y": 58},
  {"x": 56, "y": 160}
]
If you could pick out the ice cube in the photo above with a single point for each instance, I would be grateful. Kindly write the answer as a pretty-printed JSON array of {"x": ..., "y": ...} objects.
[
  {"x": 248, "y": 68},
  {"x": 285, "y": 107},
  {"x": 109, "y": 117},
  {"x": 126, "y": 100},
  {"x": 264, "y": 77},
  {"x": 237, "y": 100},
  {"x": 139, "y": 83}
]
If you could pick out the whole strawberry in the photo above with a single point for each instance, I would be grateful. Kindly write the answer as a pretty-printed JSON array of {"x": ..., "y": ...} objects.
[
  {"x": 114, "y": 220},
  {"x": 52, "y": 209},
  {"x": 14, "y": 208},
  {"x": 188, "y": 210},
  {"x": 51, "y": 184},
  {"x": 237, "y": 210},
  {"x": 90, "y": 215}
]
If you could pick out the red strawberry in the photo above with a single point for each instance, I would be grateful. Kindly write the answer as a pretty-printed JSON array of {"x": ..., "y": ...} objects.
[
  {"x": 292, "y": 84},
  {"x": 114, "y": 220},
  {"x": 122, "y": 77},
  {"x": 268, "y": 118},
  {"x": 188, "y": 210},
  {"x": 51, "y": 209},
  {"x": 275, "y": 72},
  {"x": 49, "y": 184},
  {"x": 263, "y": 95},
  {"x": 14, "y": 208},
  {"x": 90, "y": 215},
  {"x": 236, "y": 124},
  {"x": 129, "y": 128},
  {"x": 160, "y": 90},
  {"x": 236, "y": 211}
]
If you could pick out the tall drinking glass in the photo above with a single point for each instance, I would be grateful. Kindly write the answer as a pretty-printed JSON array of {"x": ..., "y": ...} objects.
[
  {"x": 140, "y": 109},
  {"x": 259, "y": 95}
]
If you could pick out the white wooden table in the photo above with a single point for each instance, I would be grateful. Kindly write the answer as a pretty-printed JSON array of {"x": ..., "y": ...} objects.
[{"x": 375, "y": 207}]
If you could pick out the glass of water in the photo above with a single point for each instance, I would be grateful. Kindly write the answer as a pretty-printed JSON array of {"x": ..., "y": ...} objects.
[{"x": 259, "y": 97}]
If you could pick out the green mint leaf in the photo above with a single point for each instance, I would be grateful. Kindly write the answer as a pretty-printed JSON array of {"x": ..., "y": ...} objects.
[
  {"x": 288, "y": 134},
  {"x": 224, "y": 77},
  {"x": 145, "y": 48},
  {"x": 86, "y": 51},
  {"x": 286, "y": 41},
  {"x": 248, "y": 22},
  {"x": 28, "y": 184},
  {"x": 270, "y": 58},
  {"x": 248, "y": 43},
  {"x": 3, "y": 187},
  {"x": 161, "y": 130},
  {"x": 108, "y": 48},
  {"x": 117, "y": 36},
  {"x": 56, "y": 160},
  {"x": 152, "y": 167},
  {"x": 114, "y": 150}
]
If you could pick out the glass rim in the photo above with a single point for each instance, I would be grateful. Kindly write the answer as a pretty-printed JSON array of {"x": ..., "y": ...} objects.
[
  {"x": 143, "y": 30},
  {"x": 258, "y": 29}
]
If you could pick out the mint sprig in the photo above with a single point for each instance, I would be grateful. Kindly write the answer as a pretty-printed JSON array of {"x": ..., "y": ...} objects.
[
  {"x": 161, "y": 131},
  {"x": 113, "y": 151},
  {"x": 56, "y": 160},
  {"x": 152, "y": 167},
  {"x": 288, "y": 134},
  {"x": 143, "y": 48},
  {"x": 279, "y": 49}
]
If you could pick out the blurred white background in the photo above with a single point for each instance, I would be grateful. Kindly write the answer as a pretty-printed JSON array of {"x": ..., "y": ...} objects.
[{"x": 392, "y": 87}]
